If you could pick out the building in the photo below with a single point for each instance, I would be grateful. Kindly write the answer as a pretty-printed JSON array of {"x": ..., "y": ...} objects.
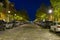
[{"x": 5, "y": 7}]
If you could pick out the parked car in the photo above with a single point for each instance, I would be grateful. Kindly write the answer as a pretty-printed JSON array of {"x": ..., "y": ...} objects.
[
  {"x": 42, "y": 24},
  {"x": 24, "y": 22},
  {"x": 55, "y": 27},
  {"x": 27, "y": 22},
  {"x": 16, "y": 23},
  {"x": 9, "y": 25},
  {"x": 46, "y": 24},
  {"x": 2, "y": 25},
  {"x": 12, "y": 24}
]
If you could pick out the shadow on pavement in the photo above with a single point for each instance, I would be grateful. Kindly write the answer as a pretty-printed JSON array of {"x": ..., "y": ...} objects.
[{"x": 58, "y": 34}]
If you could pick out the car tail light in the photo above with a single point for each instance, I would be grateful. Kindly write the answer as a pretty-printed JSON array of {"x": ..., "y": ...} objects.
[{"x": 58, "y": 26}]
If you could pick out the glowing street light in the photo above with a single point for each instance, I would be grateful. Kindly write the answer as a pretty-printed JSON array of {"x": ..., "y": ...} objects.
[
  {"x": 50, "y": 14},
  {"x": 15, "y": 14},
  {"x": 9, "y": 11},
  {"x": 50, "y": 11}
]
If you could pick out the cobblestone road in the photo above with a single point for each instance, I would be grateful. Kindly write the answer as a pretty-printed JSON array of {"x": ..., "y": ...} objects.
[{"x": 25, "y": 32}]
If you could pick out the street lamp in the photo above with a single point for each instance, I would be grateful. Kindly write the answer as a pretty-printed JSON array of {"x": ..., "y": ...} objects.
[
  {"x": 50, "y": 16},
  {"x": 15, "y": 14},
  {"x": 8, "y": 15},
  {"x": 50, "y": 11},
  {"x": 9, "y": 11}
]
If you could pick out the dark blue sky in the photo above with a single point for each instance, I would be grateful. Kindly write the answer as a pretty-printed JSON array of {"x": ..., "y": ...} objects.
[{"x": 30, "y": 6}]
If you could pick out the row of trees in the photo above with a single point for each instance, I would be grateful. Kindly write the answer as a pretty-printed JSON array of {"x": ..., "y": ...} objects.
[
  {"x": 56, "y": 7},
  {"x": 23, "y": 14},
  {"x": 42, "y": 13},
  {"x": 13, "y": 13}
]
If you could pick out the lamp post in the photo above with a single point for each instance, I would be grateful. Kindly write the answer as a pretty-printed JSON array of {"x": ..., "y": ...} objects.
[
  {"x": 49, "y": 14},
  {"x": 8, "y": 15}
]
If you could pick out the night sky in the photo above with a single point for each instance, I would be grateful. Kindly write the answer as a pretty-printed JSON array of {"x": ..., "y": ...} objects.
[{"x": 30, "y": 6}]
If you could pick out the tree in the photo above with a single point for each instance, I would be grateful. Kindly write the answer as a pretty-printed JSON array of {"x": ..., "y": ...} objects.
[
  {"x": 23, "y": 13},
  {"x": 41, "y": 13},
  {"x": 56, "y": 6}
]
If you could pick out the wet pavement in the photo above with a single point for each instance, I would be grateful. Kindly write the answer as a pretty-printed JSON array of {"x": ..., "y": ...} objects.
[{"x": 28, "y": 32}]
